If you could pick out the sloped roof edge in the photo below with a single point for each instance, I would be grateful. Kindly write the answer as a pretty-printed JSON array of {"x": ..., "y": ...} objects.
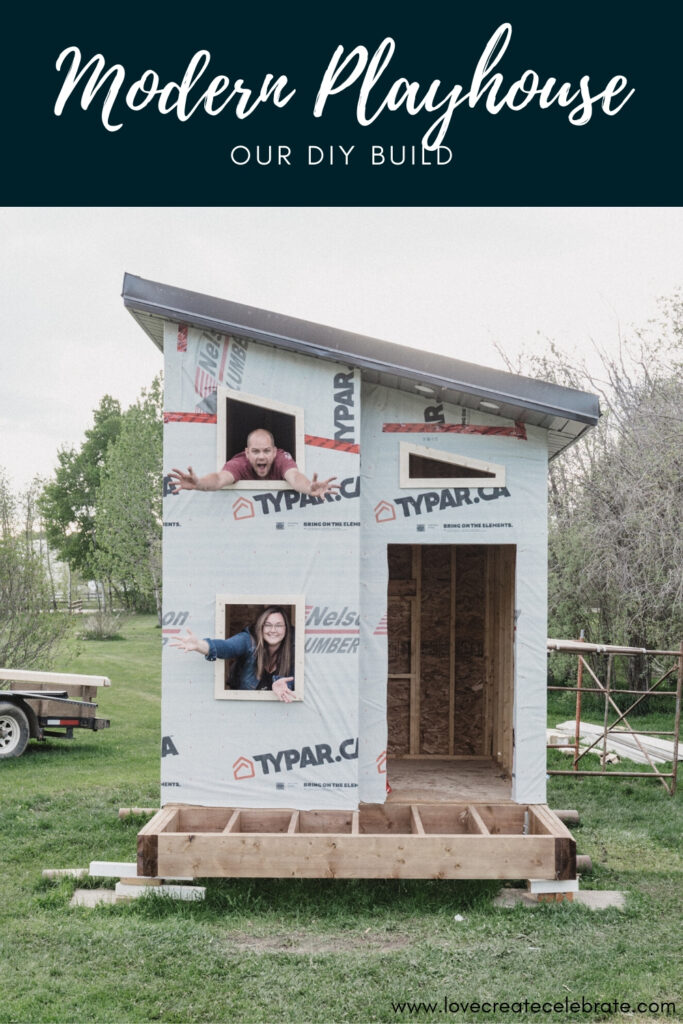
[{"x": 182, "y": 306}]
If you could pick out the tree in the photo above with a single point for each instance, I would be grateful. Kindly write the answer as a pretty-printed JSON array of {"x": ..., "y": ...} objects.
[
  {"x": 128, "y": 518},
  {"x": 615, "y": 535},
  {"x": 29, "y": 629},
  {"x": 67, "y": 503}
]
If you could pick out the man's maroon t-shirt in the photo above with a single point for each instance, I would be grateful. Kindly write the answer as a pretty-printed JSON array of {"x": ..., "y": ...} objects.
[{"x": 241, "y": 469}]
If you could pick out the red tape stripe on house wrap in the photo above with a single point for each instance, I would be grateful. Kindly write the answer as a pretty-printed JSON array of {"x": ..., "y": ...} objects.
[
  {"x": 518, "y": 430},
  {"x": 328, "y": 442},
  {"x": 189, "y": 417}
]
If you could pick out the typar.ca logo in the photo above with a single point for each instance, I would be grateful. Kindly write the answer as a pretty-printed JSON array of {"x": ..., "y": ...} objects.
[
  {"x": 385, "y": 512},
  {"x": 344, "y": 406},
  {"x": 281, "y": 502},
  {"x": 243, "y": 508},
  {"x": 243, "y": 768},
  {"x": 450, "y": 497},
  {"x": 381, "y": 761},
  {"x": 315, "y": 755}
]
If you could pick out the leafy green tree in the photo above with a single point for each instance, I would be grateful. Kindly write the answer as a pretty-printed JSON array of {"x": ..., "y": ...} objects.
[
  {"x": 67, "y": 503},
  {"x": 29, "y": 628},
  {"x": 128, "y": 518}
]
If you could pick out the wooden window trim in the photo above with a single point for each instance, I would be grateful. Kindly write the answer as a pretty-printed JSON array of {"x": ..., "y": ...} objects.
[
  {"x": 297, "y": 601},
  {"x": 222, "y": 455},
  {"x": 453, "y": 458}
]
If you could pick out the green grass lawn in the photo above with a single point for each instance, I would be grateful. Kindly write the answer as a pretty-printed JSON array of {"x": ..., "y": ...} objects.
[{"x": 301, "y": 950}]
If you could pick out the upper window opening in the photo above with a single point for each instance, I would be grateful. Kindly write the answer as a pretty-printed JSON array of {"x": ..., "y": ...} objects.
[
  {"x": 239, "y": 414},
  {"x": 420, "y": 467},
  {"x": 429, "y": 467}
]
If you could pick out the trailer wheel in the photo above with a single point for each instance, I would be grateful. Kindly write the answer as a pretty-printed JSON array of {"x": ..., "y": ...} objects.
[{"x": 14, "y": 731}]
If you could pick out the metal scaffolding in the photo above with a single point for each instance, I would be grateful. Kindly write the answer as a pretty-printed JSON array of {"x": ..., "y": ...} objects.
[{"x": 608, "y": 690}]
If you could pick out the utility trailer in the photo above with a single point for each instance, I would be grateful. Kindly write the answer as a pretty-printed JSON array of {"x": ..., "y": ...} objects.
[{"x": 42, "y": 704}]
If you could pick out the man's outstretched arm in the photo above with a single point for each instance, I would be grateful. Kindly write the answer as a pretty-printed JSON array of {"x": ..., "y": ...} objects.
[
  {"x": 316, "y": 488},
  {"x": 189, "y": 481}
]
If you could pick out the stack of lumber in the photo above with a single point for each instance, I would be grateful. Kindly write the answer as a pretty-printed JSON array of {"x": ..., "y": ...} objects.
[{"x": 623, "y": 744}]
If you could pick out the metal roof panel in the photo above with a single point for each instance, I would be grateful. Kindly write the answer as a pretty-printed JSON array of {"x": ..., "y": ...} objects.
[{"x": 454, "y": 380}]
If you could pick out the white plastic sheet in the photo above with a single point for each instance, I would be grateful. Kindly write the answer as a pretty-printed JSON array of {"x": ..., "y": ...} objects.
[
  {"x": 328, "y": 750},
  {"x": 263, "y": 542},
  {"x": 513, "y": 515}
]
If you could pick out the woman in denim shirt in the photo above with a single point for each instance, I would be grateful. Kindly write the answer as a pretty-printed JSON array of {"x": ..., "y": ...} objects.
[{"x": 265, "y": 653}]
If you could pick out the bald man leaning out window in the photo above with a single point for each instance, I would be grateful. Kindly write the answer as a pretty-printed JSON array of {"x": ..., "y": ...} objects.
[{"x": 260, "y": 460}]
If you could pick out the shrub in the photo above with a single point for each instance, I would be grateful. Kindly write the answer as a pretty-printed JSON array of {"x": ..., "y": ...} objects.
[{"x": 104, "y": 625}]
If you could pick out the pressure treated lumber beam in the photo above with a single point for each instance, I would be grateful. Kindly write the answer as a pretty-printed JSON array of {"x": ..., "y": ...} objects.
[
  {"x": 363, "y": 856},
  {"x": 569, "y": 817},
  {"x": 58, "y": 678},
  {"x": 148, "y": 839}
]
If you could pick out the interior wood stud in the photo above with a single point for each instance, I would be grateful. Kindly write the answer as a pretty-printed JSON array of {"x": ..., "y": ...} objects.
[
  {"x": 451, "y": 652},
  {"x": 477, "y": 820},
  {"x": 416, "y": 821},
  {"x": 415, "y": 631},
  {"x": 293, "y": 823},
  {"x": 233, "y": 823}
]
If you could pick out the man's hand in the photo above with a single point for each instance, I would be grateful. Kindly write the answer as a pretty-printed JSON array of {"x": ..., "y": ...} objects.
[
  {"x": 319, "y": 488},
  {"x": 184, "y": 481},
  {"x": 191, "y": 482},
  {"x": 282, "y": 690}
]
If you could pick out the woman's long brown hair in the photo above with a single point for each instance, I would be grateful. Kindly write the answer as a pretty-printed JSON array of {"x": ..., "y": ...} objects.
[{"x": 284, "y": 654}]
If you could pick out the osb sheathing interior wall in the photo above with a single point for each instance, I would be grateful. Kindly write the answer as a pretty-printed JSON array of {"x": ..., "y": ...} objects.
[{"x": 450, "y": 634}]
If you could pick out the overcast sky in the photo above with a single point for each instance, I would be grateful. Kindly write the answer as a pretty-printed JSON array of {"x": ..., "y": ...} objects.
[{"x": 451, "y": 280}]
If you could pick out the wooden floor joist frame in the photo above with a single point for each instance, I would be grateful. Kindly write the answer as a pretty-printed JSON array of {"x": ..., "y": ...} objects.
[{"x": 431, "y": 840}]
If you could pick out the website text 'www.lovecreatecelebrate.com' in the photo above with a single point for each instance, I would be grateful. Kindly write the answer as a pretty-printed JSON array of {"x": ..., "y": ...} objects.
[{"x": 496, "y": 1008}]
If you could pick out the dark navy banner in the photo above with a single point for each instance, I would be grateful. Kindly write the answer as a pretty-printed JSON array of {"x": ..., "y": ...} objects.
[{"x": 376, "y": 104}]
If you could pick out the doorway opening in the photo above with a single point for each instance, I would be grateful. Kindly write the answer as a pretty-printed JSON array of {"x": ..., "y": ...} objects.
[{"x": 450, "y": 627}]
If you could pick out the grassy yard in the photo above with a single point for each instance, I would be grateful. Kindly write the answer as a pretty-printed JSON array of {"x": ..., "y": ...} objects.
[{"x": 322, "y": 951}]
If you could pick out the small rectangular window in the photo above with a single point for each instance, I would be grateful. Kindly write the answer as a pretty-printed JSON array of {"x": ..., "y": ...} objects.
[
  {"x": 431, "y": 467},
  {"x": 237, "y": 612},
  {"x": 239, "y": 413}
]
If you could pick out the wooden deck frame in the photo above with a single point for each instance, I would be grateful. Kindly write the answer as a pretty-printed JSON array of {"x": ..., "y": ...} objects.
[{"x": 430, "y": 840}]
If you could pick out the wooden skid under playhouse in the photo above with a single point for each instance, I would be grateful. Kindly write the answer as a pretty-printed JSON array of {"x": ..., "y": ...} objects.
[{"x": 422, "y": 840}]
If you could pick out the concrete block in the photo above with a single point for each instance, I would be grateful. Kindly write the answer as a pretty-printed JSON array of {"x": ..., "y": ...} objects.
[
  {"x": 176, "y": 892},
  {"x": 92, "y": 897},
  {"x": 595, "y": 899}
]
